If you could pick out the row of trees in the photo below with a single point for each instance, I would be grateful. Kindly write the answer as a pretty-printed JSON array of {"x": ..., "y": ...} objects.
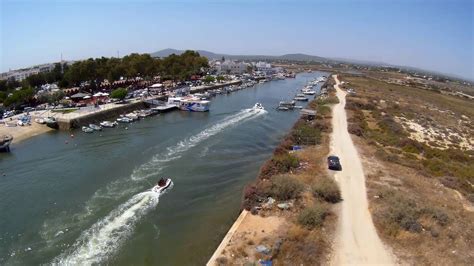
[{"x": 94, "y": 71}]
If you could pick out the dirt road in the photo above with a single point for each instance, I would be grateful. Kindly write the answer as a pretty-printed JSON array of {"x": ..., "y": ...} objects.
[{"x": 357, "y": 241}]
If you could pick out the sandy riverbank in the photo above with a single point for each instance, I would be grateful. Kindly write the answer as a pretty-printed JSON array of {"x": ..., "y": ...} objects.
[{"x": 23, "y": 133}]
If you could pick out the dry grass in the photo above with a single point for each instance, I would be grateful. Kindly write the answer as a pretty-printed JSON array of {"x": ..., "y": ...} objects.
[
  {"x": 311, "y": 221},
  {"x": 418, "y": 187}
]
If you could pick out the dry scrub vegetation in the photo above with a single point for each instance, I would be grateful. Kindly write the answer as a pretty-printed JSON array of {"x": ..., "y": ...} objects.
[
  {"x": 417, "y": 150},
  {"x": 298, "y": 180}
]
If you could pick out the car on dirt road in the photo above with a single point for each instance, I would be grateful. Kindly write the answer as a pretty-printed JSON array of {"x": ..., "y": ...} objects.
[{"x": 334, "y": 163}]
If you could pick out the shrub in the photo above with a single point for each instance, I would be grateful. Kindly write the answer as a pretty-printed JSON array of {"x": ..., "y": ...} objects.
[
  {"x": 305, "y": 134},
  {"x": 323, "y": 110},
  {"x": 285, "y": 162},
  {"x": 314, "y": 216},
  {"x": 281, "y": 162},
  {"x": 285, "y": 187},
  {"x": 254, "y": 194},
  {"x": 327, "y": 190},
  {"x": 355, "y": 129},
  {"x": 402, "y": 213}
]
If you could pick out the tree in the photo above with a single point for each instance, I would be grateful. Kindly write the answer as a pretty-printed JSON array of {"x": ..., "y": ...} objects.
[
  {"x": 220, "y": 78},
  {"x": 19, "y": 97},
  {"x": 119, "y": 93},
  {"x": 209, "y": 79}
]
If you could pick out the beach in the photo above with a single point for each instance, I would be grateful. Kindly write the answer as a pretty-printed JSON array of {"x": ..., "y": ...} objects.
[{"x": 21, "y": 133}]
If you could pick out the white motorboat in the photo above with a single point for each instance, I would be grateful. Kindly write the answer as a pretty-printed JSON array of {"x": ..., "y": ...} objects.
[
  {"x": 309, "y": 92},
  {"x": 40, "y": 121},
  {"x": 87, "y": 129},
  {"x": 287, "y": 105},
  {"x": 258, "y": 106},
  {"x": 95, "y": 127},
  {"x": 124, "y": 120},
  {"x": 162, "y": 185},
  {"x": 300, "y": 98},
  {"x": 132, "y": 116},
  {"x": 191, "y": 104},
  {"x": 282, "y": 108},
  {"x": 108, "y": 124}
]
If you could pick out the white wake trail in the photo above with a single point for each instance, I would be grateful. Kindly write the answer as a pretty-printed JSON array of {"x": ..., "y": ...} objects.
[
  {"x": 103, "y": 239},
  {"x": 154, "y": 166}
]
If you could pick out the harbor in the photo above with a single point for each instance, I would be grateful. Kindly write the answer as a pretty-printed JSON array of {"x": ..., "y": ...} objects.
[{"x": 209, "y": 155}]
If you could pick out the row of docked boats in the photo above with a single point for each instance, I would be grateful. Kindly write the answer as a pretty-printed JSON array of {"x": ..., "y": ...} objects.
[
  {"x": 200, "y": 102},
  {"x": 125, "y": 118},
  {"x": 306, "y": 91}
]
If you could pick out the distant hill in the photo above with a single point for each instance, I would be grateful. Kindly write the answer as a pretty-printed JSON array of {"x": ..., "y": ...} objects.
[
  {"x": 211, "y": 55},
  {"x": 302, "y": 57}
]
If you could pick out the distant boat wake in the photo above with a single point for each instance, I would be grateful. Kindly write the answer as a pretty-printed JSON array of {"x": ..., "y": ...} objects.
[
  {"x": 154, "y": 166},
  {"x": 99, "y": 242},
  {"x": 103, "y": 239}
]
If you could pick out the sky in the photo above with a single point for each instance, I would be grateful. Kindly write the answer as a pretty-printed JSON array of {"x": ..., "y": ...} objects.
[{"x": 429, "y": 34}]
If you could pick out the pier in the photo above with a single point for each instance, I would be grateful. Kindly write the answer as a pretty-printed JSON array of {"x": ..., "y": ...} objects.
[{"x": 91, "y": 114}]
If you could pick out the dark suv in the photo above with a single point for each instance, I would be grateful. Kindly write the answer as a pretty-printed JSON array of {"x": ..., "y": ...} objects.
[{"x": 334, "y": 163}]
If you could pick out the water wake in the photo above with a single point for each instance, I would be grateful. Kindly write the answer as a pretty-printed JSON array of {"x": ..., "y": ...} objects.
[
  {"x": 154, "y": 166},
  {"x": 99, "y": 242},
  {"x": 103, "y": 239}
]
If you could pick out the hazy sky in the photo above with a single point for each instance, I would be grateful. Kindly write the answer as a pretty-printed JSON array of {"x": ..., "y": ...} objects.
[{"x": 434, "y": 35}]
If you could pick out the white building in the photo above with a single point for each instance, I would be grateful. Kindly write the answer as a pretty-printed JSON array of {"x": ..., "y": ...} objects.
[
  {"x": 231, "y": 67},
  {"x": 21, "y": 74},
  {"x": 264, "y": 67}
]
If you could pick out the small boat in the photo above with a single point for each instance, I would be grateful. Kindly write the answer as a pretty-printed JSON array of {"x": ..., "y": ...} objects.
[
  {"x": 124, "y": 120},
  {"x": 309, "y": 92},
  {"x": 87, "y": 129},
  {"x": 132, "y": 116},
  {"x": 282, "y": 108},
  {"x": 288, "y": 105},
  {"x": 40, "y": 121},
  {"x": 299, "y": 107},
  {"x": 163, "y": 184},
  {"x": 51, "y": 122},
  {"x": 108, "y": 124},
  {"x": 258, "y": 106},
  {"x": 5, "y": 142},
  {"x": 300, "y": 98},
  {"x": 95, "y": 127}
]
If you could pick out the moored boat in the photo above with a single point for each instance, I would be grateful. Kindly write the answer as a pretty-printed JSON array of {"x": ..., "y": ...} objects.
[
  {"x": 5, "y": 142},
  {"x": 51, "y": 122},
  {"x": 108, "y": 124},
  {"x": 124, "y": 120},
  {"x": 87, "y": 129},
  {"x": 95, "y": 127}
]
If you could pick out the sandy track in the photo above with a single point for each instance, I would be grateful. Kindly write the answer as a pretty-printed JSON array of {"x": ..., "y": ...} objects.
[{"x": 357, "y": 241}]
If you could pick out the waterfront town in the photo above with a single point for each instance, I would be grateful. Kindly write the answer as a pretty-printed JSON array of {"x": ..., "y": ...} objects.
[
  {"x": 56, "y": 96},
  {"x": 236, "y": 133}
]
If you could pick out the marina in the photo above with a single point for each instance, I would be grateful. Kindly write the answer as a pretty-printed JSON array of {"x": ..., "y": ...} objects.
[{"x": 209, "y": 155}]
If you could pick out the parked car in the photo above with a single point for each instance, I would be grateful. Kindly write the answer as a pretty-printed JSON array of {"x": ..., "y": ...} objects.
[{"x": 334, "y": 163}]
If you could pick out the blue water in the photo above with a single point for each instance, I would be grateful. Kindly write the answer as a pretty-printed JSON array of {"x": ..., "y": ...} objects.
[{"x": 86, "y": 202}]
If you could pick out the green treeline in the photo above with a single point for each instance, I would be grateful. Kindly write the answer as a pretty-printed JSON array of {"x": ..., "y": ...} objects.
[{"x": 94, "y": 71}]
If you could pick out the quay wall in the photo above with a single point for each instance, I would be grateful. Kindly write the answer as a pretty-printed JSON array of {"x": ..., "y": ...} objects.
[
  {"x": 111, "y": 114},
  {"x": 96, "y": 117}
]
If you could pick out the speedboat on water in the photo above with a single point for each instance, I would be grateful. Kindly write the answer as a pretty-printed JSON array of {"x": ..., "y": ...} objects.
[
  {"x": 162, "y": 185},
  {"x": 258, "y": 106}
]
